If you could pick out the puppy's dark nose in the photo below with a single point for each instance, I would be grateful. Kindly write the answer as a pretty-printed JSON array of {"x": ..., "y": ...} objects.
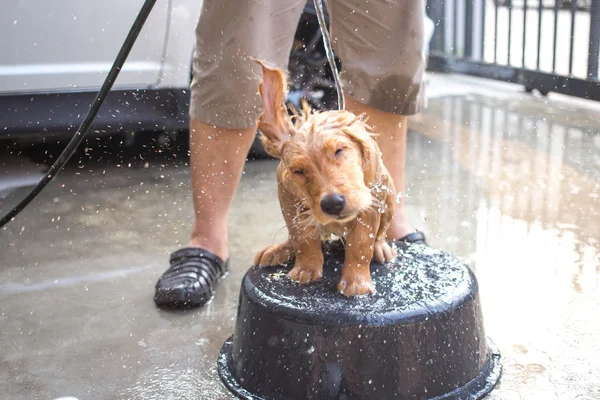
[{"x": 333, "y": 204}]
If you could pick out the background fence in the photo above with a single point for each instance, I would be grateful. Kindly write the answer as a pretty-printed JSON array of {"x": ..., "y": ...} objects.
[{"x": 545, "y": 45}]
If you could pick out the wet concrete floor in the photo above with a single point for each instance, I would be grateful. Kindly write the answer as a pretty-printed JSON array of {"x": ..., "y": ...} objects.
[{"x": 508, "y": 182}]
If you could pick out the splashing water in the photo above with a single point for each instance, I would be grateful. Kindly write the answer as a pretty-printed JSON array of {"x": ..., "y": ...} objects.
[
  {"x": 379, "y": 187},
  {"x": 399, "y": 197}
]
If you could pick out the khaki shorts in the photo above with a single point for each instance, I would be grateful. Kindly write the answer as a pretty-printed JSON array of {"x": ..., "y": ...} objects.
[{"x": 380, "y": 44}]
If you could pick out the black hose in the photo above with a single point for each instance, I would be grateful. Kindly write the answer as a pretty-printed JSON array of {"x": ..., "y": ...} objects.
[{"x": 91, "y": 114}]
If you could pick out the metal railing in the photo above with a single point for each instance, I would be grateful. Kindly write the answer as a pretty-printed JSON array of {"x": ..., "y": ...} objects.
[{"x": 544, "y": 45}]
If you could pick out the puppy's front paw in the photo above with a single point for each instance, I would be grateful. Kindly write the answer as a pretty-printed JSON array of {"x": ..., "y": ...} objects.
[
  {"x": 275, "y": 254},
  {"x": 383, "y": 252},
  {"x": 355, "y": 286},
  {"x": 306, "y": 273}
]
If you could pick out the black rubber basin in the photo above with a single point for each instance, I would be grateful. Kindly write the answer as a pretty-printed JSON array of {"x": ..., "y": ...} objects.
[{"x": 420, "y": 337}]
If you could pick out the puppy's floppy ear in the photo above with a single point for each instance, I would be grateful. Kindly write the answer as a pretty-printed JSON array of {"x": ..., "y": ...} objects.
[
  {"x": 273, "y": 124},
  {"x": 369, "y": 150}
]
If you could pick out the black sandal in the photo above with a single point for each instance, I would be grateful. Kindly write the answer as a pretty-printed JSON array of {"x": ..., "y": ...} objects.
[
  {"x": 191, "y": 279},
  {"x": 417, "y": 237}
]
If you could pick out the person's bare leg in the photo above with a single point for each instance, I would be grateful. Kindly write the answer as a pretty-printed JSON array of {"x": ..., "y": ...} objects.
[
  {"x": 391, "y": 129},
  {"x": 217, "y": 158}
]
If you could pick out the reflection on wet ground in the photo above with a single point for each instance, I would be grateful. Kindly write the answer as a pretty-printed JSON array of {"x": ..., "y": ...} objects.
[
  {"x": 519, "y": 186},
  {"x": 507, "y": 182}
]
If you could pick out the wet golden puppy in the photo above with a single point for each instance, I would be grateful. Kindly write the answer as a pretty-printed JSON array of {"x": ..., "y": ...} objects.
[{"x": 331, "y": 180}]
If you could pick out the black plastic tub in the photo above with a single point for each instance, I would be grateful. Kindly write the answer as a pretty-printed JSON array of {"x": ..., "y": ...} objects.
[{"x": 420, "y": 337}]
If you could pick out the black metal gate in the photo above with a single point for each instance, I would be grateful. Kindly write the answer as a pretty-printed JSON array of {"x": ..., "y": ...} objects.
[{"x": 545, "y": 45}]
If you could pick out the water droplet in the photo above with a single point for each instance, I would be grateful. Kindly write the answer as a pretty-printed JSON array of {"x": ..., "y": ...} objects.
[{"x": 399, "y": 197}]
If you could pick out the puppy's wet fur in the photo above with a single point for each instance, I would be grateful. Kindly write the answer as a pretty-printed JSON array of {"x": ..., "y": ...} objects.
[{"x": 331, "y": 180}]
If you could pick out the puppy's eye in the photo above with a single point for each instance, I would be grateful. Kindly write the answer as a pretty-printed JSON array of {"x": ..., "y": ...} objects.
[
  {"x": 298, "y": 171},
  {"x": 339, "y": 151}
]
